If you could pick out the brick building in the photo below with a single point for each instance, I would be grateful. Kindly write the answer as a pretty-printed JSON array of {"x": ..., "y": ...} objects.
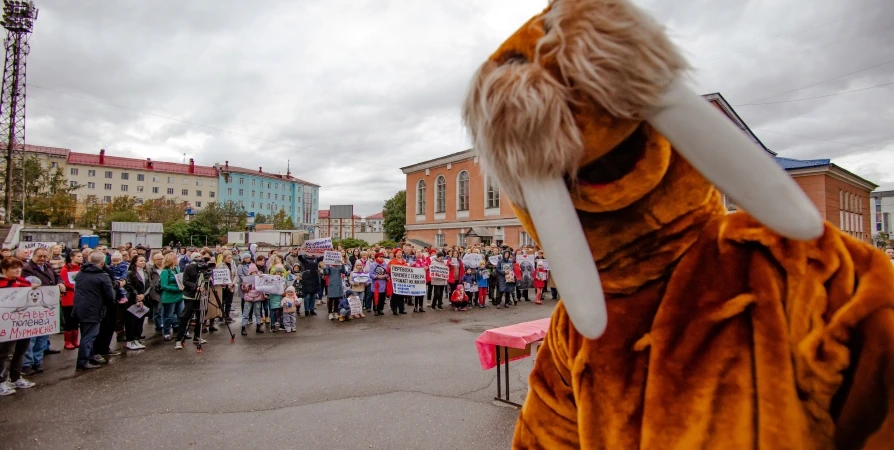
[{"x": 337, "y": 228}]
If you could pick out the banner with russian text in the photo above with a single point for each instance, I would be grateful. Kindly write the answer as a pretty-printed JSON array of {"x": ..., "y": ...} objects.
[
  {"x": 27, "y": 312},
  {"x": 408, "y": 280}
]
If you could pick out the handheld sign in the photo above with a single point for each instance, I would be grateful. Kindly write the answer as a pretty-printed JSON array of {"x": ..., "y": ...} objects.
[
  {"x": 356, "y": 305},
  {"x": 71, "y": 277},
  {"x": 472, "y": 259},
  {"x": 32, "y": 246},
  {"x": 27, "y": 312},
  {"x": 545, "y": 264},
  {"x": 138, "y": 310},
  {"x": 332, "y": 258},
  {"x": 438, "y": 271},
  {"x": 494, "y": 259},
  {"x": 408, "y": 280},
  {"x": 179, "y": 279},
  {"x": 528, "y": 258},
  {"x": 221, "y": 276},
  {"x": 269, "y": 284},
  {"x": 317, "y": 247}
]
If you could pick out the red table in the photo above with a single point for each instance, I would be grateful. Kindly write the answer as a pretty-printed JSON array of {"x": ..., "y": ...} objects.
[{"x": 519, "y": 336}]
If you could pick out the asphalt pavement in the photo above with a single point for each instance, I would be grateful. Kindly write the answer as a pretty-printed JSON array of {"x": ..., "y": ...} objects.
[{"x": 390, "y": 382}]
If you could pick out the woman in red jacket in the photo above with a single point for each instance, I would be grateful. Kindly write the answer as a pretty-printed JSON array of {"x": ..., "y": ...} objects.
[
  {"x": 397, "y": 300},
  {"x": 70, "y": 324},
  {"x": 11, "y": 269},
  {"x": 456, "y": 270}
]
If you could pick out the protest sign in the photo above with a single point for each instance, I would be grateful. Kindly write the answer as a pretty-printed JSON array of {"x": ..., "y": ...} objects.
[
  {"x": 356, "y": 305},
  {"x": 27, "y": 312},
  {"x": 529, "y": 258},
  {"x": 31, "y": 246},
  {"x": 438, "y": 271},
  {"x": 494, "y": 259},
  {"x": 545, "y": 264},
  {"x": 332, "y": 258},
  {"x": 221, "y": 276},
  {"x": 248, "y": 280},
  {"x": 317, "y": 247},
  {"x": 269, "y": 284},
  {"x": 71, "y": 277},
  {"x": 359, "y": 278},
  {"x": 179, "y": 279},
  {"x": 472, "y": 259},
  {"x": 408, "y": 280},
  {"x": 138, "y": 310}
]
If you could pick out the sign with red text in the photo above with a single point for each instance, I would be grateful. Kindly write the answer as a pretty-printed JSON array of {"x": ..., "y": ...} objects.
[{"x": 27, "y": 312}]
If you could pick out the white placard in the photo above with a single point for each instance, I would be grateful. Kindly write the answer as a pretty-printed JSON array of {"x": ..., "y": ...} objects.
[
  {"x": 494, "y": 259},
  {"x": 546, "y": 263},
  {"x": 221, "y": 276},
  {"x": 408, "y": 280},
  {"x": 356, "y": 305},
  {"x": 438, "y": 271},
  {"x": 270, "y": 284},
  {"x": 248, "y": 280},
  {"x": 317, "y": 247},
  {"x": 472, "y": 259},
  {"x": 359, "y": 278},
  {"x": 31, "y": 246},
  {"x": 179, "y": 279},
  {"x": 138, "y": 310},
  {"x": 332, "y": 258},
  {"x": 27, "y": 312},
  {"x": 529, "y": 258}
]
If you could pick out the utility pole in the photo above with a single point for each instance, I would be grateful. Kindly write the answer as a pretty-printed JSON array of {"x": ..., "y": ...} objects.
[{"x": 18, "y": 19}]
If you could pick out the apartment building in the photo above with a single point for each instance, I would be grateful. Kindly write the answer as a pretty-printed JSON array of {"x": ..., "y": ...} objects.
[
  {"x": 267, "y": 193},
  {"x": 337, "y": 228},
  {"x": 374, "y": 223}
]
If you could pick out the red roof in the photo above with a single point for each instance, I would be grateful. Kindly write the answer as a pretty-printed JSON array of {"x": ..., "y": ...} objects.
[
  {"x": 139, "y": 164},
  {"x": 324, "y": 214},
  {"x": 258, "y": 173},
  {"x": 376, "y": 216},
  {"x": 58, "y": 151}
]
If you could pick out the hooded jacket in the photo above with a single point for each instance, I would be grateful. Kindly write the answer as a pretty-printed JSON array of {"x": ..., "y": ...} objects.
[{"x": 94, "y": 294}]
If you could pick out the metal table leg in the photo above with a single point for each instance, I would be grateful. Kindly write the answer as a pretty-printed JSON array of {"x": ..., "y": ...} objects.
[{"x": 505, "y": 357}]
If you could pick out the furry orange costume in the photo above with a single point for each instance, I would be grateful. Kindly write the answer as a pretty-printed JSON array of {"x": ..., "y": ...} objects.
[{"x": 721, "y": 333}]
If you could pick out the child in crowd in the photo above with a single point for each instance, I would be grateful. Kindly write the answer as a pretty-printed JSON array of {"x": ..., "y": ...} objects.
[
  {"x": 253, "y": 298},
  {"x": 291, "y": 307},
  {"x": 119, "y": 270},
  {"x": 459, "y": 299},
  {"x": 344, "y": 307},
  {"x": 482, "y": 277},
  {"x": 359, "y": 278},
  {"x": 470, "y": 285},
  {"x": 540, "y": 276},
  {"x": 355, "y": 302},
  {"x": 275, "y": 300}
]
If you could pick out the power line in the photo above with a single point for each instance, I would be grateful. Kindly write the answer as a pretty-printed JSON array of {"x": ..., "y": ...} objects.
[
  {"x": 824, "y": 81},
  {"x": 819, "y": 96},
  {"x": 821, "y": 140},
  {"x": 799, "y": 30}
]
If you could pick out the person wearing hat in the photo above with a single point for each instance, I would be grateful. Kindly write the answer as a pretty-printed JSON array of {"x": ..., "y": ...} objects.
[
  {"x": 291, "y": 305},
  {"x": 378, "y": 273},
  {"x": 242, "y": 270},
  {"x": 397, "y": 301}
]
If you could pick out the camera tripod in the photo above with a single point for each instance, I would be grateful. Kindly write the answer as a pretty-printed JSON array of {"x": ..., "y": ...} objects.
[{"x": 207, "y": 294}]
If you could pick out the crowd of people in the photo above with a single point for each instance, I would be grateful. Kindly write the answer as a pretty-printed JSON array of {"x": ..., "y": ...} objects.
[{"x": 100, "y": 287}]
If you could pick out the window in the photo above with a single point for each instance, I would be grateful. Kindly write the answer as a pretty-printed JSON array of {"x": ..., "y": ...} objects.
[
  {"x": 139, "y": 188},
  {"x": 241, "y": 180},
  {"x": 108, "y": 186},
  {"x": 139, "y": 200},
  {"x": 276, "y": 196},
  {"x": 261, "y": 205},
  {"x": 420, "y": 198},
  {"x": 90, "y": 173},
  {"x": 268, "y": 196},
  {"x": 198, "y": 204},
  {"x": 170, "y": 180},
  {"x": 155, "y": 189},
  {"x": 73, "y": 171},
  {"x": 91, "y": 185},
  {"x": 184, "y": 181},
  {"x": 73, "y": 196},
  {"x": 229, "y": 191},
  {"x": 125, "y": 176},
  {"x": 170, "y": 191},
  {"x": 441, "y": 194},
  {"x": 141, "y": 177},
  {"x": 107, "y": 199},
  {"x": 198, "y": 182},
  {"x": 462, "y": 191},
  {"x": 524, "y": 239},
  {"x": 439, "y": 240},
  {"x": 268, "y": 185},
  {"x": 252, "y": 193},
  {"x": 54, "y": 165},
  {"x": 211, "y": 194},
  {"x": 241, "y": 192},
  {"x": 155, "y": 179},
  {"x": 253, "y": 182},
  {"x": 73, "y": 184},
  {"x": 252, "y": 205},
  {"x": 108, "y": 174},
  {"x": 461, "y": 239},
  {"x": 184, "y": 192},
  {"x": 123, "y": 188},
  {"x": 492, "y": 195},
  {"x": 198, "y": 193}
]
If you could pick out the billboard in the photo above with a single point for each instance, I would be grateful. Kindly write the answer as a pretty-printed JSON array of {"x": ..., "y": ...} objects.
[{"x": 341, "y": 211}]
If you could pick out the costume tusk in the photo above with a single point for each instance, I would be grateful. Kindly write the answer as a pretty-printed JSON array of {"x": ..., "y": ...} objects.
[
  {"x": 737, "y": 166},
  {"x": 560, "y": 234}
]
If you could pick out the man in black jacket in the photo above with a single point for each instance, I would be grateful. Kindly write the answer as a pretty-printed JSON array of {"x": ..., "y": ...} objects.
[
  {"x": 191, "y": 305},
  {"x": 94, "y": 296},
  {"x": 39, "y": 267}
]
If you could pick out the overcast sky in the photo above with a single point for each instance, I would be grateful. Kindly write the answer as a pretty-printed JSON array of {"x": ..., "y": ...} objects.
[{"x": 349, "y": 91}]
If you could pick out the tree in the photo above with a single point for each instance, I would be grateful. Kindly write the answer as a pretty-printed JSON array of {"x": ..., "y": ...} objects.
[
  {"x": 260, "y": 218},
  {"x": 93, "y": 213},
  {"x": 395, "y": 214},
  {"x": 162, "y": 210},
  {"x": 387, "y": 244},
  {"x": 46, "y": 191},
  {"x": 279, "y": 220},
  {"x": 206, "y": 224},
  {"x": 121, "y": 209},
  {"x": 350, "y": 243},
  {"x": 177, "y": 231},
  {"x": 232, "y": 216}
]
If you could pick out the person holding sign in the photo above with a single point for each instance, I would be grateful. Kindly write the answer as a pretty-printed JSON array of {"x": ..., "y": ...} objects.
[
  {"x": 505, "y": 279},
  {"x": 336, "y": 289},
  {"x": 397, "y": 300},
  {"x": 69, "y": 323},
  {"x": 137, "y": 288},
  {"x": 171, "y": 295},
  {"x": 378, "y": 272},
  {"x": 540, "y": 276},
  {"x": 438, "y": 271},
  {"x": 12, "y": 278},
  {"x": 421, "y": 262}
]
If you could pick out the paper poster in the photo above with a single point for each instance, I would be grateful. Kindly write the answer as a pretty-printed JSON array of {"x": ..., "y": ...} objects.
[
  {"x": 179, "y": 279},
  {"x": 356, "y": 305},
  {"x": 545, "y": 263},
  {"x": 472, "y": 259},
  {"x": 494, "y": 259},
  {"x": 248, "y": 280},
  {"x": 138, "y": 310},
  {"x": 408, "y": 280},
  {"x": 270, "y": 284},
  {"x": 438, "y": 271},
  {"x": 317, "y": 247},
  {"x": 332, "y": 258},
  {"x": 71, "y": 277},
  {"x": 31, "y": 246},
  {"x": 27, "y": 312},
  {"x": 221, "y": 276},
  {"x": 359, "y": 278},
  {"x": 529, "y": 258}
]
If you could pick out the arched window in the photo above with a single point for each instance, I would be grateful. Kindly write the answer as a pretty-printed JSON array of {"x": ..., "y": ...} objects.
[
  {"x": 492, "y": 194},
  {"x": 420, "y": 198},
  {"x": 462, "y": 191},
  {"x": 441, "y": 194}
]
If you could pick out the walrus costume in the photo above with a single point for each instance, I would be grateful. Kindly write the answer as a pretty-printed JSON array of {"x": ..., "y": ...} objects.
[{"x": 692, "y": 328}]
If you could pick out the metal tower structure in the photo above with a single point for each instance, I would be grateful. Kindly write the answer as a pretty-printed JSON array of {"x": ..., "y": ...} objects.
[{"x": 18, "y": 19}]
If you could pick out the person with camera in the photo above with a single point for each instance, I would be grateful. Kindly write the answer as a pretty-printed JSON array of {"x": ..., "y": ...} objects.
[{"x": 191, "y": 307}]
